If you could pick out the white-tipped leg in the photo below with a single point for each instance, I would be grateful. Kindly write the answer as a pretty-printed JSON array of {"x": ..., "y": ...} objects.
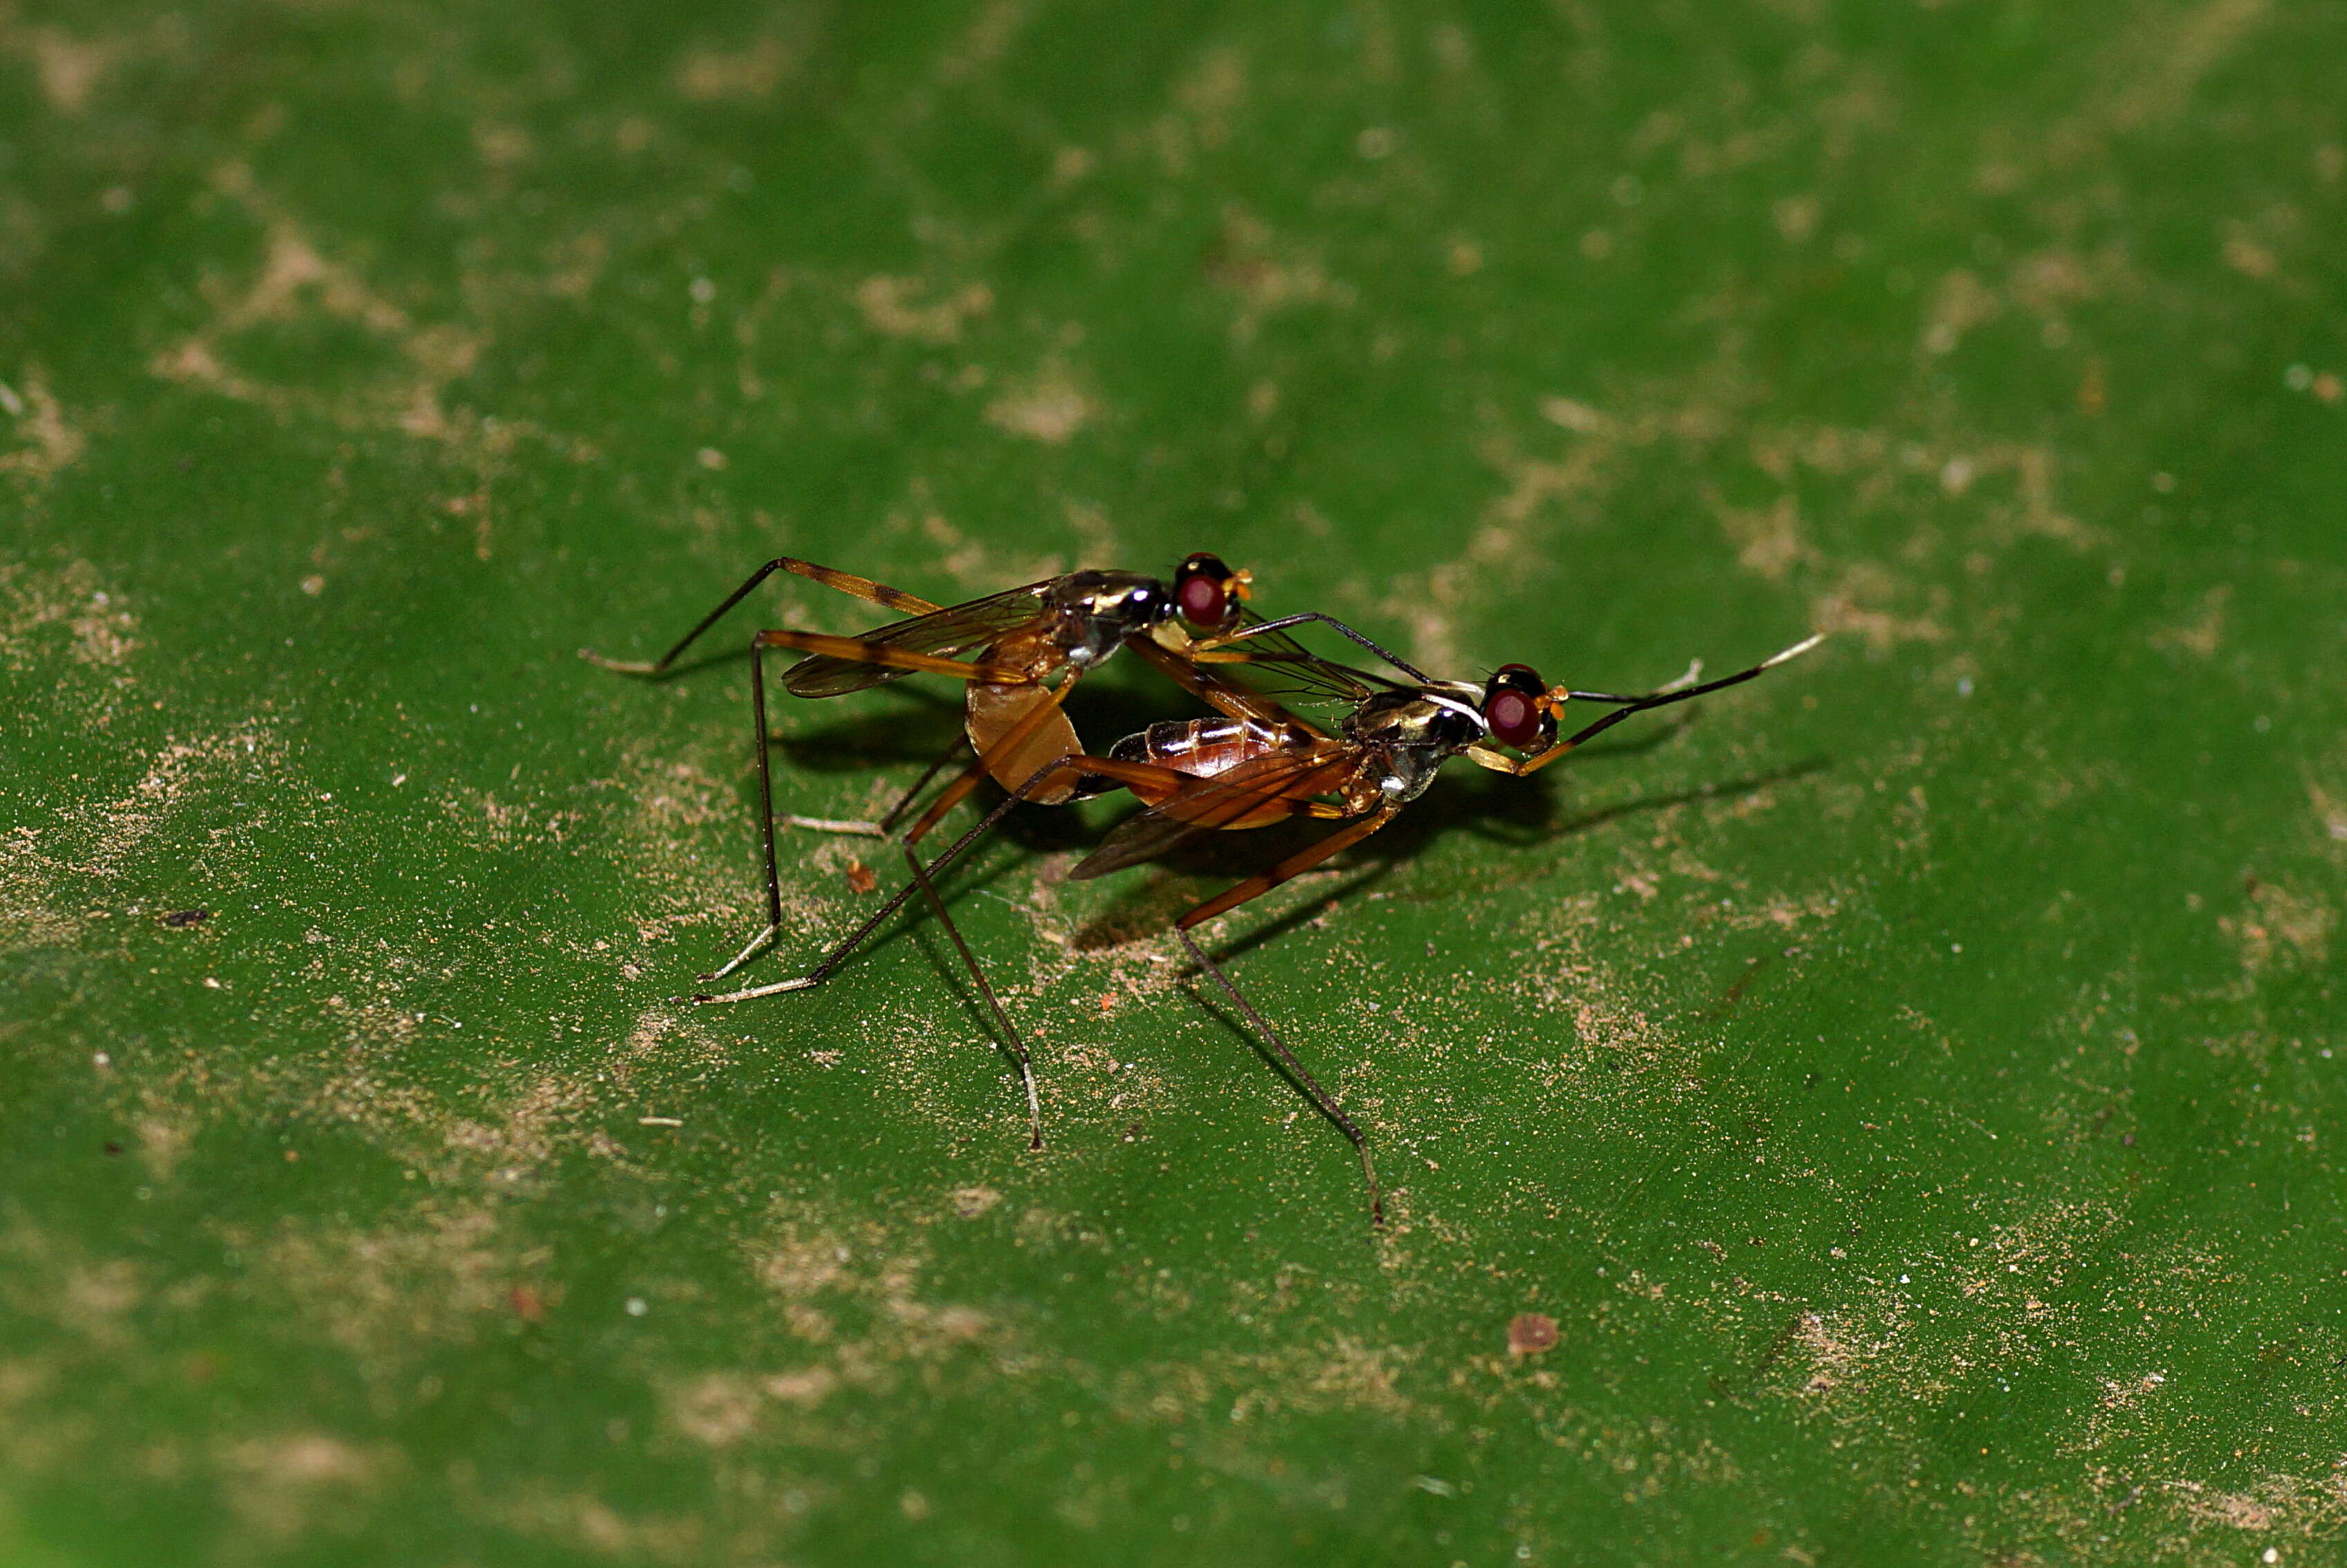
[
  {"x": 624, "y": 666},
  {"x": 758, "y": 944},
  {"x": 833, "y": 825},
  {"x": 1795, "y": 651},
  {"x": 1694, "y": 673},
  {"x": 1034, "y": 1105},
  {"x": 777, "y": 989}
]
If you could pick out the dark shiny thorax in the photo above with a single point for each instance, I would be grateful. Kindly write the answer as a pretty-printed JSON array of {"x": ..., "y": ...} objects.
[
  {"x": 1405, "y": 736},
  {"x": 1090, "y": 613}
]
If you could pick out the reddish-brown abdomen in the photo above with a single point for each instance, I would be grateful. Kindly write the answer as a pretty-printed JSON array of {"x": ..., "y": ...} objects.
[
  {"x": 1209, "y": 748},
  {"x": 1202, "y": 748}
]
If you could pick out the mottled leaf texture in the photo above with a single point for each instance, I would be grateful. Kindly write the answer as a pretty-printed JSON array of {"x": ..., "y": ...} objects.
[{"x": 1902, "y": 1095}]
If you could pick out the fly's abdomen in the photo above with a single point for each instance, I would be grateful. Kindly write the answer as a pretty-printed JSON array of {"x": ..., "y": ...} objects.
[
  {"x": 1201, "y": 748},
  {"x": 1205, "y": 747}
]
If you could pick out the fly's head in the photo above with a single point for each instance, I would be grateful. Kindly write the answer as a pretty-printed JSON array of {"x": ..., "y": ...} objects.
[
  {"x": 1208, "y": 600},
  {"x": 1520, "y": 710},
  {"x": 1207, "y": 594}
]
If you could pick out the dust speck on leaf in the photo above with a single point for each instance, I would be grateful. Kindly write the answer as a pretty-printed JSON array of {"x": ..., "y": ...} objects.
[
  {"x": 288, "y": 1484},
  {"x": 2282, "y": 921},
  {"x": 2203, "y": 635},
  {"x": 717, "y": 1411},
  {"x": 1049, "y": 407},
  {"x": 1530, "y": 1333},
  {"x": 908, "y": 307},
  {"x": 52, "y": 442},
  {"x": 742, "y": 71},
  {"x": 972, "y": 1202},
  {"x": 806, "y": 1389},
  {"x": 104, "y": 631}
]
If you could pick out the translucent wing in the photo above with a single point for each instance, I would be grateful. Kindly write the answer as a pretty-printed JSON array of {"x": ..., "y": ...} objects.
[
  {"x": 1217, "y": 687},
  {"x": 1277, "y": 665},
  {"x": 954, "y": 629},
  {"x": 1259, "y": 676},
  {"x": 1265, "y": 788}
]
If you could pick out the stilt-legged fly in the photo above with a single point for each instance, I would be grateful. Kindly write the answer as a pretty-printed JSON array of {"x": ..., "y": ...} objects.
[
  {"x": 1264, "y": 764},
  {"x": 1257, "y": 763},
  {"x": 1031, "y": 645}
]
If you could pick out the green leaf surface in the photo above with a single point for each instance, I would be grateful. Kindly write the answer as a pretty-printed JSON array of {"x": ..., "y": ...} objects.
[{"x": 1907, "y": 1082}]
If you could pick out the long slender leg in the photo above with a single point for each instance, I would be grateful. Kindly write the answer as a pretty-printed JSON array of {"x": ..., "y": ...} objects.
[
  {"x": 1255, "y": 886},
  {"x": 954, "y": 793},
  {"x": 1042, "y": 778},
  {"x": 839, "y": 953},
  {"x": 879, "y": 829},
  {"x": 758, "y": 943},
  {"x": 1207, "y": 647},
  {"x": 897, "y": 809},
  {"x": 830, "y": 962},
  {"x": 1320, "y": 1097},
  {"x": 1660, "y": 700},
  {"x": 1303, "y": 860},
  {"x": 809, "y": 641},
  {"x": 1686, "y": 677},
  {"x": 879, "y": 593},
  {"x": 1001, "y": 1019}
]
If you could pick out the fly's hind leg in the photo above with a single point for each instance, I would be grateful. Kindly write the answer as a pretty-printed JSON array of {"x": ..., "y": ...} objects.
[
  {"x": 887, "y": 822},
  {"x": 760, "y": 942},
  {"x": 764, "y": 938},
  {"x": 922, "y": 883},
  {"x": 1009, "y": 1031},
  {"x": 839, "y": 953},
  {"x": 1254, "y": 888},
  {"x": 864, "y": 588}
]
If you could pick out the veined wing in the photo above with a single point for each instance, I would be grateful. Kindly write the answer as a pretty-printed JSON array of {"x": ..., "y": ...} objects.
[
  {"x": 1275, "y": 664},
  {"x": 1216, "y": 686},
  {"x": 1260, "y": 676},
  {"x": 954, "y": 629},
  {"x": 1224, "y": 800}
]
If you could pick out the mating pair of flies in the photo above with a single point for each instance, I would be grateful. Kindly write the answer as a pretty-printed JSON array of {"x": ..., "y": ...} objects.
[{"x": 1256, "y": 761}]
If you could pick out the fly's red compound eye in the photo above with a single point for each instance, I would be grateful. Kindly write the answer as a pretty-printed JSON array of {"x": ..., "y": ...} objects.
[
  {"x": 1514, "y": 718},
  {"x": 1513, "y": 709},
  {"x": 1203, "y": 589}
]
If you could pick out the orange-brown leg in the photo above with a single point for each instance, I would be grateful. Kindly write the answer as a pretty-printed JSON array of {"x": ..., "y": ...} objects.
[
  {"x": 864, "y": 588},
  {"x": 1042, "y": 781},
  {"x": 855, "y": 651},
  {"x": 1303, "y": 860},
  {"x": 1252, "y": 888}
]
